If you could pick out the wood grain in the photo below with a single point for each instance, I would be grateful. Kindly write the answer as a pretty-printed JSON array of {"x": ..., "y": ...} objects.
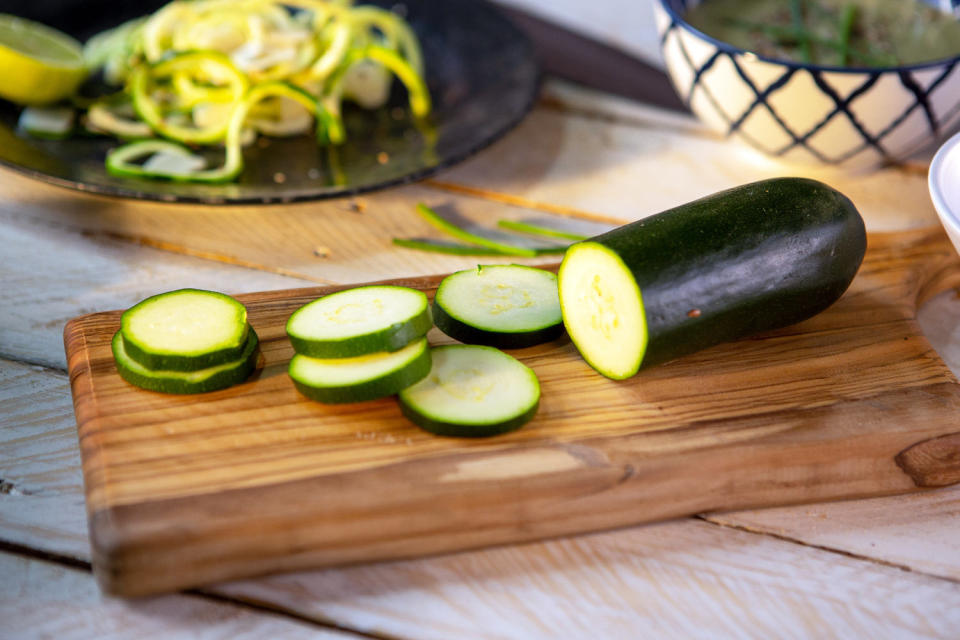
[
  {"x": 336, "y": 241},
  {"x": 934, "y": 462},
  {"x": 673, "y": 580},
  {"x": 58, "y": 274},
  {"x": 680, "y": 579},
  {"x": 52, "y": 601},
  {"x": 256, "y": 479},
  {"x": 41, "y": 486}
]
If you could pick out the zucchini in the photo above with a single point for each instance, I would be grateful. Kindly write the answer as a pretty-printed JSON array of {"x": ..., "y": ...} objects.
[
  {"x": 185, "y": 330},
  {"x": 359, "y": 321},
  {"x": 49, "y": 123},
  {"x": 505, "y": 306},
  {"x": 219, "y": 376},
  {"x": 472, "y": 391},
  {"x": 750, "y": 259},
  {"x": 366, "y": 377}
]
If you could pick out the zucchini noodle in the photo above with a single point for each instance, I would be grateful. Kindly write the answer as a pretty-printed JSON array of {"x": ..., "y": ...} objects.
[{"x": 219, "y": 72}]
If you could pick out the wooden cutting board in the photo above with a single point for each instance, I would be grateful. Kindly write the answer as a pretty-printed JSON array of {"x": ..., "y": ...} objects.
[{"x": 187, "y": 490}]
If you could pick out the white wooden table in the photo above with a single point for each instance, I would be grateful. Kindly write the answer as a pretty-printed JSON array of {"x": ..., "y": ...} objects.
[{"x": 881, "y": 568}]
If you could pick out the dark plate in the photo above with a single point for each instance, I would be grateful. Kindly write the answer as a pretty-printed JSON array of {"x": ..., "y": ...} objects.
[{"x": 482, "y": 75}]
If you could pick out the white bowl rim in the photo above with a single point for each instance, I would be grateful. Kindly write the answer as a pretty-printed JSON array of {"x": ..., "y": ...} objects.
[
  {"x": 729, "y": 48},
  {"x": 947, "y": 215}
]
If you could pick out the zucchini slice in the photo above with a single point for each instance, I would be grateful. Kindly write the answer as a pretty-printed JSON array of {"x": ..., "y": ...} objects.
[
  {"x": 505, "y": 306},
  {"x": 366, "y": 377},
  {"x": 359, "y": 321},
  {"x": 753, "y": 258},
  {"x": 212, "y": 378},
  {"x": 185, "y": 330},
  {"x": 51, "y": 123},
  {"x": 472, "y": 391}
]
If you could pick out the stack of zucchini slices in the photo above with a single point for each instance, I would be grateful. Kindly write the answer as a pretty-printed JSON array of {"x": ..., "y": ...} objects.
[
  {"x": 370, "y": 342},
  {"x": 360, "y": 344},
  {"x": 185, "y": 341},
  {"x": 475, "y": 389}
]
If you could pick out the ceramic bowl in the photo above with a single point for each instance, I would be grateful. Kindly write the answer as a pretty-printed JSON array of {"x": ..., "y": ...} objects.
[
  {"x": 944, "y": 182},
  {"x": 852, "y": 118}
]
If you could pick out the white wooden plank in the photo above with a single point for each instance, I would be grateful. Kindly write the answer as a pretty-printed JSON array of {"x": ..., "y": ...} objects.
[
  {"x": 643, "y": 165},
  {"x": 917, "y": 531},
  {"x": 47, "y": 600},
  {"x": 41, "y": 482},
  {"x": 338, "y": 241},
  {"x": 685, "y": 579},
  {"x": 49, "y": 275},
  {"x": 676, "y": 579}
]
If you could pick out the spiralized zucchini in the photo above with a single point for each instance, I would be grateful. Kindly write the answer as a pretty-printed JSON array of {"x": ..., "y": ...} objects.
[{"x": 217, "y": 72}]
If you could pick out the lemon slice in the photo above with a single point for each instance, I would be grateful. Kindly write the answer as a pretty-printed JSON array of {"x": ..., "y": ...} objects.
[{"x": 40, "y": 65}]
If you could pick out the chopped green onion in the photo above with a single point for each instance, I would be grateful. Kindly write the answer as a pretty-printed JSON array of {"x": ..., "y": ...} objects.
[
  {"x": 451, "y": 229},
  {"x": 796, "y": 13},
  {"x": 442, "y": 246},
  {"x": 540, "y": 230},
  {"x": 479, "y": 245},
  {"x": 789, "y": 34},
  {"x": 846, "y": 30}
]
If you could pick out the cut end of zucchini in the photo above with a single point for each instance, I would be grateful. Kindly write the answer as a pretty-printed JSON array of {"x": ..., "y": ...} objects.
[
  {"x": 185, "y": 329},
  {"x": 367, "y": 377},
  {"x": 359, "y": 321},
  {"x": 472, "y": 391},
  {"x": 603, "y": 310}
]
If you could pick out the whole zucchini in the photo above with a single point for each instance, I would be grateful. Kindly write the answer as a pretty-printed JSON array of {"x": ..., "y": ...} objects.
[{"x": 750, "y": 259}]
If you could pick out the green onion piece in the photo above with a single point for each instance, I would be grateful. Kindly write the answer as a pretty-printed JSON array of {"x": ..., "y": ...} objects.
[
  {"x": 796, "y": 13},
  {"x": 846, "y": 29},
  {"x": 441, "y": 246},
  {"x": 458, "y": 249},
  {"x": 789, "y": 33},
  {"x": 539, "y": 230},
  {"x": 451, "y": 229}
]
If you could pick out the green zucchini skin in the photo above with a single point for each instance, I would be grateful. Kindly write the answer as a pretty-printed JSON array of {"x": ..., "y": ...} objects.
[
  {"x": 388, "y": 385},
  {"x": 456, "y": 430},
  {"x": 750, "y": 259},
  {"x": 500, "y": 339},
  {"x": 391, "y": 338},
  {"x": 478, "y": 423},
  {"x": 170, "y": 381}
]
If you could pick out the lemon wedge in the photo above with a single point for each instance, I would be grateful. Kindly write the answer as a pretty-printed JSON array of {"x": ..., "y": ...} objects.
[{"x": 40, "y": 65}]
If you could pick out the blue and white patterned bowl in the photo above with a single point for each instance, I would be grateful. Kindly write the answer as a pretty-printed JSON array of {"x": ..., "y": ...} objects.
[{"x": 847, "y": 117}]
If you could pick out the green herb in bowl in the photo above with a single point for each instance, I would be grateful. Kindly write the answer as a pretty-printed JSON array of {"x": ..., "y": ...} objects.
[{"x": 857, "y": 33}]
